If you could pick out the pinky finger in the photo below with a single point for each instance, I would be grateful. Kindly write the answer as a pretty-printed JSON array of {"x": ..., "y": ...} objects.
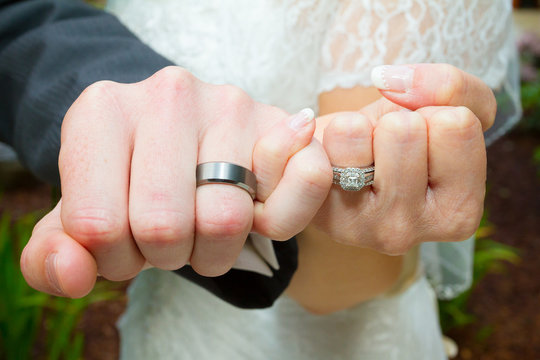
[
  {"x": 54, "y": 263},
  {"x": 298, "y": 196},
  {"x": 273, "y": 150}
]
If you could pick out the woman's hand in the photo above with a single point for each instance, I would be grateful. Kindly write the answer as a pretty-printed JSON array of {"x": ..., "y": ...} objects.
[
  {"x": 430, "y": 164},
  {"x": 127, "y": 166}
]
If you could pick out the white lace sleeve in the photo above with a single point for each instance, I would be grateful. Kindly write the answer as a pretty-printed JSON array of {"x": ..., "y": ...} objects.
[
  {"x": 474, "y": 35},
  {"x": 470, "y": 34}
]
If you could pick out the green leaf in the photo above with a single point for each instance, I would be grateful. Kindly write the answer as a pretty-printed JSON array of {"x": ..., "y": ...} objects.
[{"x": 75, "y": 350}]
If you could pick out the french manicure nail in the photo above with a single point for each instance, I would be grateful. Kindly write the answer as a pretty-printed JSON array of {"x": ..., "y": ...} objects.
[
  {"x": 397, "y": 78},
  {"x": 299, "y": 120},
  {"x": 50, "y": 266}
]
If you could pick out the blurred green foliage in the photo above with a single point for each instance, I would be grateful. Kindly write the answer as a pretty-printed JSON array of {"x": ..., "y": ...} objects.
[
  {"x": 29, "y": 318},
  {"x": 530, "y": 99},
  {"x": 529, "y": 51},
  {"x": 536, "y": 160},
  {"x": 489, "y": 257}
]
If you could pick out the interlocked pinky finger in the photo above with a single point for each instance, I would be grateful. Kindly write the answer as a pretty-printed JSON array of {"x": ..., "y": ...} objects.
[
  {"x": 298, "y": 196},
  {"x": 273, "y": 150}
]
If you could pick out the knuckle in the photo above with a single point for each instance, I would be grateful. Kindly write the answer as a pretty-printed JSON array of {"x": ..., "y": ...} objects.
[
  {"x": 395, "y": 247},
  {"x": 316, "y": 177},
  {"x": 463, "y": 223},
  {"x": 404, "y": 127},
  {"x": 104, "y": 103},
  {"x": 352, "y": 125},
  {"x": 491, "y": 110},
  {"x": 278, "y": 227},
  {"x": 361, "y": 127},
  {"x": 95, "y": 227},
  {"x": 459, "y": 122},
  {"x": 173, "y": 81},
  {"x": 269, "y": 149},
  {"x": 120, "y": 275},
  {"x": 234, "y": 95},
  {"x": 232, "y": 100},
  {"x": 453, "y": 84},
  {"x": 211, "y": 270},
  {"x": 99, "y": 91},
  {"x": 96, "y": 97},
  {"x": 161, "y": 228},
  {"x": 229, "y": 222},
  {"x": 169, "y": 261},
  {"x": 395, "y": 237},
  {"x": 41, "y": 224},
  {"x": 272, "y": 110},
  {"x": 350, "y": 236},
  {"x": 174, "y": 75},
  {"x": 275, "y": 231}
]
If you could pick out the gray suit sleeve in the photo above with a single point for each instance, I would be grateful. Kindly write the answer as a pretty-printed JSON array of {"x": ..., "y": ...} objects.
[{"x": 50, "y": 51}]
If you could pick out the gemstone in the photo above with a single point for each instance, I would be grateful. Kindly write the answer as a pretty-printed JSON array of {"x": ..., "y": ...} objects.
[{"x": 352, "y": 179}]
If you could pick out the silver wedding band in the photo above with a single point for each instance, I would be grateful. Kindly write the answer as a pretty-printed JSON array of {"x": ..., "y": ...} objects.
[
  {"x": 353, "y": 179},
  {"x": 220, "y": 172}
]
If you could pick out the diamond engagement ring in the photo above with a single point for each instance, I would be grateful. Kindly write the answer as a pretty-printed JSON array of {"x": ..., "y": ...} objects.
[
  {"x": 353, "y": 179},
  {"x": 227, "y": 173}
]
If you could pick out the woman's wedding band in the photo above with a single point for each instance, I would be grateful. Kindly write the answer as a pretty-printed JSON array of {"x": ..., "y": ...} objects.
[
  {"x": 220, "y": 172},
  {"x": 353, "y": 179}
]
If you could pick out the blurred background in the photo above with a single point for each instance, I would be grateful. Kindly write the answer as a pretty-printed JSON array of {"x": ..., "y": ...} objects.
[{"x": 498, "y": 319}]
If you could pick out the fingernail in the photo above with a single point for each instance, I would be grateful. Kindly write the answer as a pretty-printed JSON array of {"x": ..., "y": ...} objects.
[
  {"x": 299, "y": 120},
  {"x": 50, "y": 266},
  {"x": 397, "y": 78}
]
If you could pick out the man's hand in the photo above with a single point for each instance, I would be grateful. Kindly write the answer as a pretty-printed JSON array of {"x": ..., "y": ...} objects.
[{"x": 127, "y": 166}]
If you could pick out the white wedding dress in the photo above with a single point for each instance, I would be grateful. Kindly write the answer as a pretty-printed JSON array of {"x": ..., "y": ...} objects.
[{"x": 285, "y": 53}]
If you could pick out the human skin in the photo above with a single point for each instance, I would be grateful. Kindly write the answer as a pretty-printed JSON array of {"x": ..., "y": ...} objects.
[
  {"x": 429, "y": 182},
  {"x": 124, "y": 204},
  {"x": 127, "y": 167}
]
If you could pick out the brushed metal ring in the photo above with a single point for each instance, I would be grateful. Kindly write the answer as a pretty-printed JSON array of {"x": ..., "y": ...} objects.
[{"x": 221, "y": 172}]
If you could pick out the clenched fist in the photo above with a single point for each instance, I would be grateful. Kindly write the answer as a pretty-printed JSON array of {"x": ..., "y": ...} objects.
[{"x": 127, "y": 165}]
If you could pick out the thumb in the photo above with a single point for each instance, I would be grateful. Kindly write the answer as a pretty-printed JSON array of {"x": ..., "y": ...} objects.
[{"x": 54, "y": 263}]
